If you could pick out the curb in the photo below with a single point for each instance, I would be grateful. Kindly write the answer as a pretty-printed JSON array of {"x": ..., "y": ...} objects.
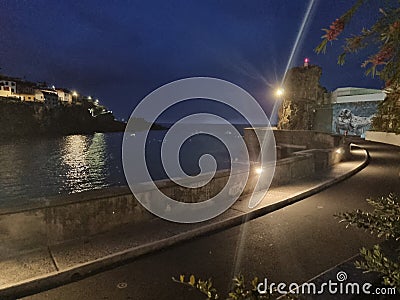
[{"x": 57, "y": 278}]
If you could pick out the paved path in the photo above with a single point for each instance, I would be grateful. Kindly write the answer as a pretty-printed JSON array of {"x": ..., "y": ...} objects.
[{"x": 291, "y": 244}]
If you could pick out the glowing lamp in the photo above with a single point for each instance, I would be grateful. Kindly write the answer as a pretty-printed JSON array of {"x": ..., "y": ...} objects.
[
  {"x": 306, "y": 61},
  {"x": 339, "y": 151},
  {"x": 279, "y": 92}
]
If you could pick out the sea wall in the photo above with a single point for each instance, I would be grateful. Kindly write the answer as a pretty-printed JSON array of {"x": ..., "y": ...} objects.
[{"x": 80, "y": 215}]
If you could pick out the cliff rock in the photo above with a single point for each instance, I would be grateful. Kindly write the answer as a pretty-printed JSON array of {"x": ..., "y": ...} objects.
[
  {"x": 33, "y": 119},
  {"x": 303, "y": 94}
]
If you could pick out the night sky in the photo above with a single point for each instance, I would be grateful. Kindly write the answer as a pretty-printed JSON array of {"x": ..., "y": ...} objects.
[{"x": 119, "y": 51}]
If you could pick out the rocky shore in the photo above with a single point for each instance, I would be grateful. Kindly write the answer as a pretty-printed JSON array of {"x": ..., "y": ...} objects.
[{"x": 20, "y": 119}]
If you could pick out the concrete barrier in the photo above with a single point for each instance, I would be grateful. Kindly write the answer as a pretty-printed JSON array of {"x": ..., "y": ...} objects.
[
  {"x": 383, "y": 137},
  {"x": 68, "y": 217},
  {"x": 297, "y": 138}
]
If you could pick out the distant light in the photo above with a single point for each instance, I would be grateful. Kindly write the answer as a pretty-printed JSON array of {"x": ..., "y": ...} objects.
[
  {"x": 89, "y": 97},
  {"x": 339, "y": 151},
  {"x": 279, "y": 92},
  {"x": 306, "y": 60},
  {"x": 259, "y": 171},
  {"x": 74, "y": 94}
]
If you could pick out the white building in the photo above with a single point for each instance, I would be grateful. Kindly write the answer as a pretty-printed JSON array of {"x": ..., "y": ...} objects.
[
  {"x": 26, "y": 97},
  {"x": 39, "y": 97},
  {"x": 353, "y": 94},
  {"x": 7, "y": 88},
  {"x": 64, "y": 95}
]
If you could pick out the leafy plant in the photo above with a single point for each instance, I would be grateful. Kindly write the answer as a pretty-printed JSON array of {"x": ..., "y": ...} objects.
[
  {"x": 383, "y": 221},
  {"x": 239, "y": 291},
  {"x": 376, "y": 261},
  {"x": 204, "y": 286},
  {"x": 384, "y": 37},
  {"x": 388, "y": 117}
]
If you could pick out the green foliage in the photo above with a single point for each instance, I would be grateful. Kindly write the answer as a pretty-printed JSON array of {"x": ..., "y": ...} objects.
[
  {"x": 388, "y": 116},
  {"x": 384, "y": 38},
  {"x": 204, "y": 286},
  {"x": 239, "y": 291},
  {"x": 383, "y": 35},
  {"x": 376, "y": 261},
  {"x": 384, "y": 221}
]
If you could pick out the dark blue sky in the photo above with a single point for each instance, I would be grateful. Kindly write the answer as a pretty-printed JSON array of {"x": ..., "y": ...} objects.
[{"x": 119, "y": 51}]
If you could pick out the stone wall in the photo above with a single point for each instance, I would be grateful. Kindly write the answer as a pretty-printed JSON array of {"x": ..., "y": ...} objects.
[{"x": 323, "y": 119}]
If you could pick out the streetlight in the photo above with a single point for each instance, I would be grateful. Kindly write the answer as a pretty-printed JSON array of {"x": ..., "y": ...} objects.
[{"x": 279, "y": 92}]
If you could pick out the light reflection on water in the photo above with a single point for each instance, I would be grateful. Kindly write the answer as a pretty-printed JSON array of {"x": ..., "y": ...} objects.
[
  {"x": 35, "y": 168},
  {"x": 84, "y": 161}
]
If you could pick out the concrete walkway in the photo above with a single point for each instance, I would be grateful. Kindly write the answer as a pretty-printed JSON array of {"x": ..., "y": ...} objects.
[{"x": 33, "y": 271}]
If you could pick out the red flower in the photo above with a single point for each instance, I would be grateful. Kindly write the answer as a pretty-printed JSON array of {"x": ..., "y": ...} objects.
[
  {"x": 384, "y": 54},
  {"x": 394, "y": 27},
  {"x": 334, "y": 30}
]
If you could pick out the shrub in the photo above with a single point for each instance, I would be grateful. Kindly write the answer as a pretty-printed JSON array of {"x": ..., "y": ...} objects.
[{"x": 383, "y": 221}]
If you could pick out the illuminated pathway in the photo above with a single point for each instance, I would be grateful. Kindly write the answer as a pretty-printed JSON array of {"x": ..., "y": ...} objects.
[{"x": 292, "y": 244}]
